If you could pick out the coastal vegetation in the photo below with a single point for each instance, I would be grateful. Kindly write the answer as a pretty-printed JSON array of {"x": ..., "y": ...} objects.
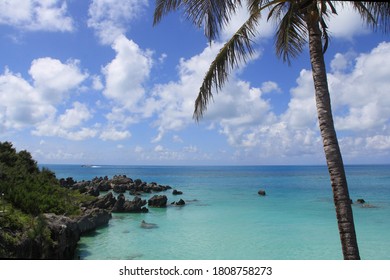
[
  {"x": 298, "y": 22},
  {"x": 27, "y": 192},
  {"x": 42, "y": 217}
]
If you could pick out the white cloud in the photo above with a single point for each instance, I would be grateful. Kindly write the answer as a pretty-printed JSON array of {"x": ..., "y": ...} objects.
[
  {"x": 34, "y": 104},
  {"x": 125, "y": 79},
  {"x": 379, "y": 142},
  {"x": 75, "y": 116},
  {"x": 175, "y": 100},
  {"x": 126, "y": 74},
  {"x": 162, "y": 57},
  {"x": 159, "y": 149},
  {"x": 347, "y": 23},
  {"x": 67, "y": 125},
  {"x": 301, "y": 112},
  {"x": 54, "y": 79},
  {"x": 34, "y": 15},
  {"x": 114, "y": 135},
  {"x": 177, "y": 139},
  {"x": 236, "y": 106},
  {"x": 190, "y": 149},
  {"x": 22, "y": 104},
  {"x": 361, "y": 98},
  {"x": 270, "y": 86},
  {"x": 138, "y": 149},
  {"x": 237, "y": 110},
  {"x": 358, "y": 85},
  {"x": 97, "y": 83},
  {"x": 111, "y": 18},
  {"x": 59, "y": 155}
]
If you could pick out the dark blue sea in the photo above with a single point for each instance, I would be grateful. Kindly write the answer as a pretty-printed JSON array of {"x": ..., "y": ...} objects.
[{"x": 225, "y": 218}]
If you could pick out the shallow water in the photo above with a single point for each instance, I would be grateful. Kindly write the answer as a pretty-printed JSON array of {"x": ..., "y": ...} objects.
[{"x": 225, "y": 218}]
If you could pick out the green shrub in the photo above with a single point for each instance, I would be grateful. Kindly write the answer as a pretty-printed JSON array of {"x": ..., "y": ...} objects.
[{"x": 32, "y": 190}]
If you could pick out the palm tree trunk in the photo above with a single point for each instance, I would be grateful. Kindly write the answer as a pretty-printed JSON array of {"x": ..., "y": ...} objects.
[{"x": 334, "y": 160}]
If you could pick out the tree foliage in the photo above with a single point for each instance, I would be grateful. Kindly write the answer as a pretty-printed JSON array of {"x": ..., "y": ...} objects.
[
  {"x": 27, "y": 192},
  {"x": 30, "y": 189}
]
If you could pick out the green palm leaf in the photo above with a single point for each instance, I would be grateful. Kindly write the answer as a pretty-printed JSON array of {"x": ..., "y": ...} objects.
[
  {"x": 238, "y": 49},
  {"x": 291, "y": 32},
  {"x": 212, "y": 14}
]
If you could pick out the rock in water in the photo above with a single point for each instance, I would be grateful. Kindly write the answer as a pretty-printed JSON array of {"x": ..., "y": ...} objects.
[
  {"x": 148, "y": 225},
  {"x": 176, "y": 192},
  {"x": 134, "y": 206},
  {"x": 361, "y": 201},
  {"x": 92, "y": 219},
  {"x": 159, "y": 201},
  {"x": 261, "y": 192}
]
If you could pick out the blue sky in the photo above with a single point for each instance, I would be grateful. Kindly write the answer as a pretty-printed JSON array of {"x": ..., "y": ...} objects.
[{"x": 93, "y": 82}]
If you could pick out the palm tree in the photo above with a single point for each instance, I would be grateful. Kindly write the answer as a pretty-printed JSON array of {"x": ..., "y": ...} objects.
[{"x": 298, "y": 22}]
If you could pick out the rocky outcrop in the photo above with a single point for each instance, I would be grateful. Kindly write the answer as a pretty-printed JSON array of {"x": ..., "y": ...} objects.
[
  {"x": 58, "y": 235},
  {"x": 105, "y": 202},
  {"x": 159, "y": 201},
  {"x": 134, "y": 206},
  {"x": 94, "y": 191},
  {"x": 119, "y": 184},
  {"x": 92, "y": 219},
  {"x": 65, "y": 234},
  {"x": 119, "y": 188}
]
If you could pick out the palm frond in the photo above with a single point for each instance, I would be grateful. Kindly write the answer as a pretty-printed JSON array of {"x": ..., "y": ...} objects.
[
  {"x": 291, "y": 33},
  {"x": 276, "y": 11},
  {"x": 376, "y": 14},
  {"x": 238, "y": 49},
  {"x": 365, "y": 13},
  {"x": 163, "y": 7},
  {"x": 325, "y": 34},
  {"x": 255, "y": 5},
  {"x": 212, "y": 14},
  {"x": 323, "y": 15}
]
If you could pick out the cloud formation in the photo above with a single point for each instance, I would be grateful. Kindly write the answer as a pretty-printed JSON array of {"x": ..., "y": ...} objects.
[
  {"x": 35, "y": 104},
  {"x": 120, "y": 101},
  {"x": 242, "y": 113},
  {"x": 111, "y": 18},
  {"x": 36, "y": 15}
]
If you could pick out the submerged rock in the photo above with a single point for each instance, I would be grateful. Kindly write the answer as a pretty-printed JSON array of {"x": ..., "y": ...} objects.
[{"x": 148, "y": 225}]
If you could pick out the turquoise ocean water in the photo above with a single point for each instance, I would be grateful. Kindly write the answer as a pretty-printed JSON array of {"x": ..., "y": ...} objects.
[{"x": 225, "y": 218}]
